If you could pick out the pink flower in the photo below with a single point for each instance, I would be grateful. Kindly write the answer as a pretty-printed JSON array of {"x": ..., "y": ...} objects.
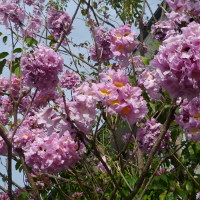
[
  {"x": 43, "y": 97},
  {"x": 58, "y": 22},
  {"x": 11, "y": 12},
  {"x": 41, "y": 68},
  {"x": 3, "y": 147},
  {"x": 178, "y": 63},
  {"x": 161, "y": 30},
  {"x": 150, "y": 81},
  {"x": 188, "y": 118},
  {"x": 102, "y": 50},
  {"x": 101, "y": 166},
  {"x": 33, "y": 26},
  {"x": 3, "y": 117},
  {"x": 116, "y": 92},
  {"x": 53, "y": 153},
  {"x": 123, "y": 42},
  {"x": 69, "y": 80},
  {"x": 148, "y": 134}
]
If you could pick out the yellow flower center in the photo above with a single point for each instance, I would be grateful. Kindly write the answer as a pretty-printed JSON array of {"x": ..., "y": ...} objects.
[
  {"x": 194, "y": 130},
  {"x": 114, "y": 102},
  {"x": 120, "y": 47},
  {"x": 197, "y": 115},
  {"x": 118, "y": 84},
  {"x": 25, "y": 136},
  {"x": 104, "y": 91},
  {"x": 118, "y": 35},
  {"x": 126, "y": 110}
]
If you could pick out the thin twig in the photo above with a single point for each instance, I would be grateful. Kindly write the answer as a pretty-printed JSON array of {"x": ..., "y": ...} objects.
[
  {"x": 15, "y": 184},
  {"x": 68, "y": 28},
  {"x": 153, "y": 151}
]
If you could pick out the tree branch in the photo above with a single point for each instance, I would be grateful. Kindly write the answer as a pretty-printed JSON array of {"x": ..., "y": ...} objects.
[{"x": 153, "y": 151}]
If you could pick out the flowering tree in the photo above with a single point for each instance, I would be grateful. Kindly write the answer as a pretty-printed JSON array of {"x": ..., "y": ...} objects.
[{"x": 109, "y": 124}]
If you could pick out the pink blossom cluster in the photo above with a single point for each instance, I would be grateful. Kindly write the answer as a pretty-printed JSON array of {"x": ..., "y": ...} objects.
[
  {"x": 183, "y": 12},
  {"x": 4, "y": 196},
  {"x": 69, "y": 79},
  {"x": 5, "y": 86},
  {"x": 48, "y": 142},
  {"x": 178, "y": 63},
  {"x": 4, "y": 119},
  {"x": 101, "y": 51},
  {"x": 189, "y": 118},
  {"x": 58, "y": 22},
  {"x": 198, "y": 195},
  {"x": 161, "y": 30},
  {"x": 82, "y": 109},
  {"x": 27, "y": 132},
  {"x": 120, "y": 97},
  {"x": 148, "y": 134},
  {"x": 123, "y": 42},
  {"x": 3, "y": 147},
  {"x": 34, "y": 25},
  {"x": 43, "y": 97},
  {"x": 11, "y": 12},
  {"x": 184, "y": 9},
  {"x": 40, "y": 69},
  {"x": 33, "y": 2},
  {"x": 138, "y": 63},
  {"x": 77, "y": 195},
  {"x": 117, "y": 43},
  {"x": 6, "y": 103},
  {"x": 53, "y": 153},
  {"x": 149, "y": 79}
]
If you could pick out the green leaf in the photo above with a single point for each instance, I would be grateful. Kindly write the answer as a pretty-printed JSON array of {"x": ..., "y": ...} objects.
[
  {"x": 50, "y": 37},
  {"x": 168, "y": 106},
  {"x": 23, "y": 196},
  {"x": 16, "y": 67},
  {"x": 5, "y": 39},
  {"x": 84, "y": 12},
  {"x": 52, "y": 43},
  {"x": 18, "y": 50},
  {"x": 2, "y": 64},
  {"x": 157, "y": 44},
  {"x": 95, "y": 5},
  {"x": 145, "y": 60},
  {"x": 153, "y": 106},
  {"x": 181, "y": 192},
  {"x": 18, "y": 164},
  {"x": 3, "y": 54},
  {"x": 1, "y": 33},
  {"x": 163, "y": 195},
  {"x": 31, "y": 41},
  {"x": 170, "y": 196},
  {"x": 189, "y": 186}
]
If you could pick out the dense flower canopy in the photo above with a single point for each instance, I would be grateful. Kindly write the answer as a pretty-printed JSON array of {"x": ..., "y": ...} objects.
[
  {"x": 41, "y": 68},
  {"x": 178, "y": 63},
  {"x": 101, "y": 119},
  {"x": 188, "y": 118},
  {"x": 58, "y": 22}
]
